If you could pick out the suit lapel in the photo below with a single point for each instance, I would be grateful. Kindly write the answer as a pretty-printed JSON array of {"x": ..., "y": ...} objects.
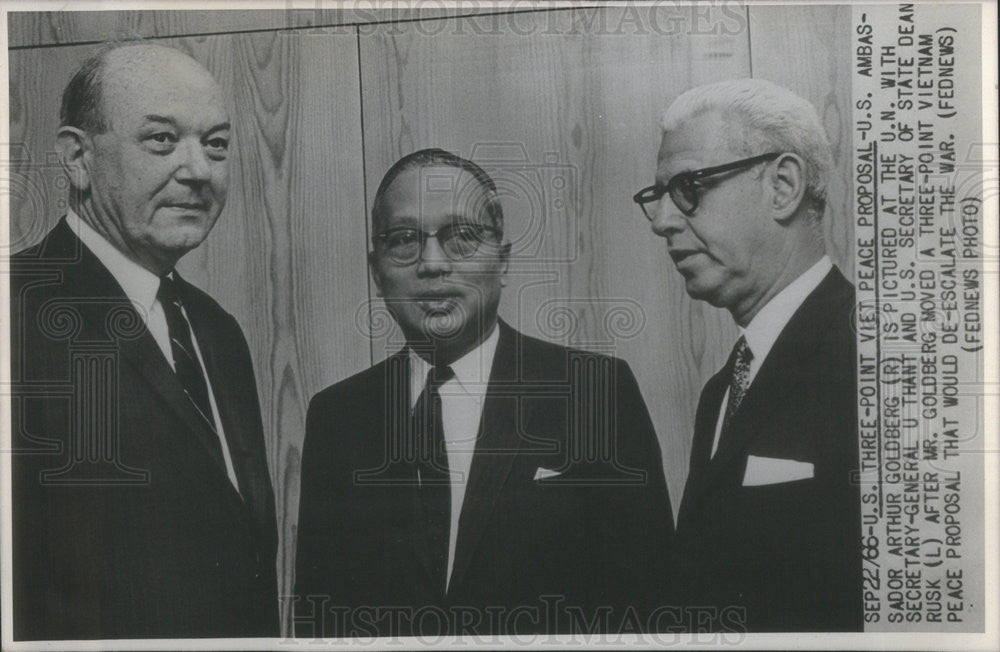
[
  {"x": 388, "y": 427},
  {"x": 402, "y": 467},
  {"x": 706, "y": 419},
  {"x": 92, "y": 280},
  {"x": 145, "y": 356},
  {"x": 237, "y": 425},
  {"x": 782, "y": 368},
  {"x": 388, "y": 435},
  {"x": 497, "y": 445}
]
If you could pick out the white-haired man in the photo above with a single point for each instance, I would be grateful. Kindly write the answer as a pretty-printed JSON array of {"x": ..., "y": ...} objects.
[{"x": 769, "y": 526}]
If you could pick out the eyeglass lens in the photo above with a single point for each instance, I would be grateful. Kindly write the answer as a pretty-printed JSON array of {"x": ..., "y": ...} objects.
[{"x": 458, "y": 242}]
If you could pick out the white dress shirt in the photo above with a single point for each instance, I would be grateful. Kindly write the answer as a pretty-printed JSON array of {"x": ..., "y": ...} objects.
[
  {"x": 764, "y": 328},
  {"x": 140, "y": 286},
  {"x": 462, "y": 400}
]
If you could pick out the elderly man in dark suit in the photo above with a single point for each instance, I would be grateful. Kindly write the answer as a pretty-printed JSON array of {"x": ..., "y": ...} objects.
[
  {"x": 769, "y": 525},
  {"x": 142, "y": 505},
  {"x": 479, "y": 480}
]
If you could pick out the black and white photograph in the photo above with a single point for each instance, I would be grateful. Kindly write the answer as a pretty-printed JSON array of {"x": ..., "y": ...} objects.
[{"x": 458, "y": 324}]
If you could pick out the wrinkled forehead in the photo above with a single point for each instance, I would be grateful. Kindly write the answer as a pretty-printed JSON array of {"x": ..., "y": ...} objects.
[
  {"x": 137, "y": 82},
  {"x": 700, "y": 141},
  {"x": 433, "y": 195}
]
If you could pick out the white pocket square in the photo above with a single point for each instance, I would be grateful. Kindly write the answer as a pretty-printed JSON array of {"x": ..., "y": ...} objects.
[
  {"x": 774, "y": 470},
  {"x": 541, "y": 473}
]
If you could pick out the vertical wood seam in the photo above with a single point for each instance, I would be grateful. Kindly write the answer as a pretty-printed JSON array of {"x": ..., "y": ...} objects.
[{"x": 364, "y": 186}]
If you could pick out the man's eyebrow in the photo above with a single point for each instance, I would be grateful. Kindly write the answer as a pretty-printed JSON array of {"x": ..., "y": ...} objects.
[
  {"x": 152, "y": 117},
  {"x": 403, "y": 221},
  {"x": 462, "y": 218}
]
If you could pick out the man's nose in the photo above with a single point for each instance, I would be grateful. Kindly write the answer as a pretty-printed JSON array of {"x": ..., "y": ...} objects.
[
  {"x": 433, "y": 259},
  {"x": 194, "y": 164},
  {"x": 667, "y": 219}
]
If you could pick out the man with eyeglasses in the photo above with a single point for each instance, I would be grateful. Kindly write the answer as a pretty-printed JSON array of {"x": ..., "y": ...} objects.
[
  {"x": 768, "y": 533},
  {"x": 478, "y": 481}
]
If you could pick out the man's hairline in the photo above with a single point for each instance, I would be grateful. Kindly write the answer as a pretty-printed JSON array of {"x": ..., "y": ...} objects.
[
  {"x": 102, "y": 123},
  {"x": 491, "y": 195},
  {"x": 733, "y": 116}
]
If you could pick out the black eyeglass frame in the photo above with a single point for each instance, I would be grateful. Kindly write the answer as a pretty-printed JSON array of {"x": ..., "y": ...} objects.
[
  {"x": 692, "y": 179},
  {"x": 482, "y": 231}
]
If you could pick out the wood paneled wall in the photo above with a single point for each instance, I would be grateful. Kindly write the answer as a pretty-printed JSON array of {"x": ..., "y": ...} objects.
[{"x": 561, "y": 106}]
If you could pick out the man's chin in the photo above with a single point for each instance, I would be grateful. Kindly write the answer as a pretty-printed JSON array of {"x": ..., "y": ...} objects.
[
  {"x": 442, "y": 325},
  {"x": 183, "y": 225},
  {"x": 177, "y": 248},
  {"x": 182, "y": 238},
  {"x": 700, "y": 290},
  {"x": 168, "y": 250}
]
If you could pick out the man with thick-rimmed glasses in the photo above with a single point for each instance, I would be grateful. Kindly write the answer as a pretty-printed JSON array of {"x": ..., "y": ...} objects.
[
  {"x": 480, "y": 480},
  {"x": 769, "y": 525}
]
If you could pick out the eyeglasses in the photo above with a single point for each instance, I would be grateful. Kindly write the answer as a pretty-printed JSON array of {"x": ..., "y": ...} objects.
[
  {"x": 404, "y": 245},
  {"x": 684, "y": 188}
]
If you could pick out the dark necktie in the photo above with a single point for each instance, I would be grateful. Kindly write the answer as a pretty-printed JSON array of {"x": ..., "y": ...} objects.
[
  {"x": 432, "y": 464},
  {"x": 740, "y": 360},
  {"x": 186, "y": 364}
]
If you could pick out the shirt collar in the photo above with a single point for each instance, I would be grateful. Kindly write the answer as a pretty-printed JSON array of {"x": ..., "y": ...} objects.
[
  {"x": 472, "y": 370},
  {"x": 764, "y": 328},
  {"x": 140, "y": 284}
]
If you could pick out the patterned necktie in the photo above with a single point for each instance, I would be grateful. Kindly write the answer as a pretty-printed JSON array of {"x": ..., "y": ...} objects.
[
  {"x": 186, "y": 365},
  {"x": 738, "y": 384},
  {"x": 432, "y": 464}
]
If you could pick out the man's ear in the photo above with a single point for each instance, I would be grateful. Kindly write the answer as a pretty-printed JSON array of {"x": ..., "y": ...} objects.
[
  {"x": 504, "y": 262},
  {"x": 73, "y": 145},
  {"x": 787, "y": 182},
  {"x": 373, "y": 268}
]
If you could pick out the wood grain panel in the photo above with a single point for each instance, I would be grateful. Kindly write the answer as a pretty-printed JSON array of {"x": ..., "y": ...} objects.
[
  {"x": 40, "y": 28},
  {"x": 557, "y": 100},
  {"x": 804, "y": 49},
  {"x": 562, "y": 107},
  {"x": 38, "y": 185},
  {"x": 290, "y": 256},
  {"x": 287, "y": 256}
]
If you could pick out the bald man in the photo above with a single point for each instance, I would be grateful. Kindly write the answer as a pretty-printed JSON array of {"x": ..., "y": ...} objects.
[{"x": 142, "y": 505}]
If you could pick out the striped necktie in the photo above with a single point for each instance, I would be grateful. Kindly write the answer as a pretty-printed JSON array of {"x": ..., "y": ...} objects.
[{"x": 186, "y": 364}]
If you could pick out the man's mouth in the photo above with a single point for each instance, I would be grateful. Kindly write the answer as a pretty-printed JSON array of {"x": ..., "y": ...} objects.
[
  {"x": 437, "y": 302},
  {"x": 679, "y": 255},
  {"x": 188, "y": 205}
]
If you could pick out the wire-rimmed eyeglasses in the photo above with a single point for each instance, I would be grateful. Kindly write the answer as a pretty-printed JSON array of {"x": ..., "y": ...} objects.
[{"x": 404, "y": 245}]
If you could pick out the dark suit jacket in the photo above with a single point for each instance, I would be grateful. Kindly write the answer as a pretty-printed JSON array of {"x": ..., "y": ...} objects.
[
  {"x": 788, "y": 554},
  {"x": 594, "y": 535},
  {"x": 125, "y": 523}
]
